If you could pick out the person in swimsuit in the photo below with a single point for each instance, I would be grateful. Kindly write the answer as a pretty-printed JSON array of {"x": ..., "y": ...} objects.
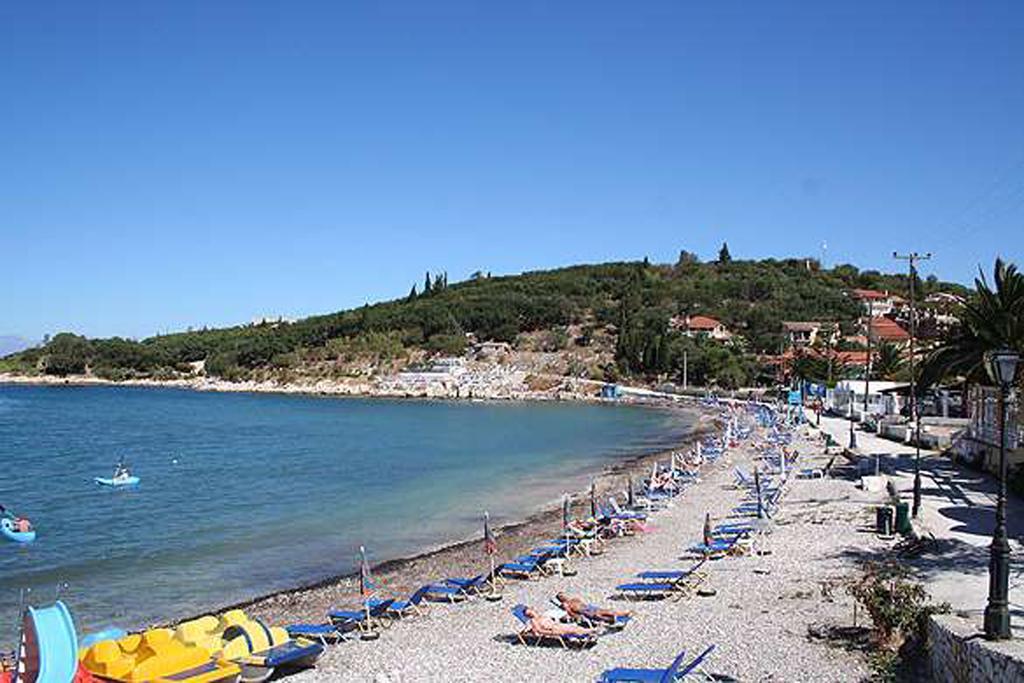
[
  {"x": 543, "y": 625},
  {"x": 576, "y": 608}
]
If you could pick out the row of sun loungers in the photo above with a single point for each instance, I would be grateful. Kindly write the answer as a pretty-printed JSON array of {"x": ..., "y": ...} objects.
[{"x": 652, "y": 584}]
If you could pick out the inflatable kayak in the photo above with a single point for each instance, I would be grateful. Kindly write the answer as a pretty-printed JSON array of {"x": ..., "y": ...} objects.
[
  {"x": 120, "y": 481},
  {"x": 11, "y": 534}
]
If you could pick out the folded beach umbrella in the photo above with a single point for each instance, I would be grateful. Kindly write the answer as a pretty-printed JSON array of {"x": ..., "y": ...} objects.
[
  {"x": 757, "y": 488},
  {"x": 707, "y": 529},
  {"x": 490, "y": 548},
  {"x": 366, "y": 587},
  {"x": 565, "y": 512},
  {"x": 593, "y": 499},
  {"x": 629, "y": 493}
]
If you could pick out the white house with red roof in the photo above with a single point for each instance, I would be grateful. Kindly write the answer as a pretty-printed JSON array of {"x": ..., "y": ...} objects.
[
  {"x": 877, "y": 304},
  {"x": 701, "y": 326},
  {"x": 809, "y": 332}
]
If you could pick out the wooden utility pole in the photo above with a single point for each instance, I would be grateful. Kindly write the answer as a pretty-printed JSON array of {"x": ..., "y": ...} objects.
[{"x": 912, "y": 258}]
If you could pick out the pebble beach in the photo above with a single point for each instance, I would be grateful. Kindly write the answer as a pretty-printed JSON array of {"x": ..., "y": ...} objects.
[{"x": 761, "y": 613}]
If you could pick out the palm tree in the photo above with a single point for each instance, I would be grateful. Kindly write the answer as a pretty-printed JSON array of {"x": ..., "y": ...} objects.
[
  {"x": 992, "y": 319},
  {"x": 888, "y": 362}
]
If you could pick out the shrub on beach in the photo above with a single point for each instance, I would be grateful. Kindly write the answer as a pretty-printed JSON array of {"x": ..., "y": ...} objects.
[{"x": 899, "y": 609}]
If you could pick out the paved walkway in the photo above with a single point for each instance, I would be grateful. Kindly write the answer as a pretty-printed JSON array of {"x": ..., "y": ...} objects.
[{"x": 958, "y": 509}]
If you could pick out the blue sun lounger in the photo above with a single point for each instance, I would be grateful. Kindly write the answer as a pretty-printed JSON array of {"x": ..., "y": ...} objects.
[
  {"x": 346, "y": 620},
  {"x": 524, "y": 566},
  {"x": 746, "y": 480},
  {"x": 527, "y": 636},
  {"x": 716, "y": 547},
  {"x": 327, "y": 634},
  {"x": 675, "y": 575},
  {"x": 437, "y": 592},
  {"x": 415, "y": 604},
  {"x": 649, "y": 591},
  {"x": 549, "y": 551},
  {"x": 474, "y": 584},
  {"x": 675, "y": 672},
  {"x": 620, "y": 513}
]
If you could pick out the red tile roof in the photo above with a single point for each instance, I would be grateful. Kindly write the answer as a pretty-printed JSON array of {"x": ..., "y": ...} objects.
[
  {"x": 888, "y": 330},
  {"x": 702, "y": 322},
  {"x": 870, "y": 294}
]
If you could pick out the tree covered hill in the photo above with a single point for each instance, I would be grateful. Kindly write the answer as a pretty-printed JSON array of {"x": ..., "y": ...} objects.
[{"x": 630, "y": 303}]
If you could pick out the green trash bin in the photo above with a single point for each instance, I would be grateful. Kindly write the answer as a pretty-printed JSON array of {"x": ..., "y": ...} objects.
[
  {"x": 883, "y": 520},
  {"x": 903, "y": 518}
]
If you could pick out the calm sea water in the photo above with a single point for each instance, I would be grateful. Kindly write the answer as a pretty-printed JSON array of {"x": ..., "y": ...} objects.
[{"x": 245, "y": 494}]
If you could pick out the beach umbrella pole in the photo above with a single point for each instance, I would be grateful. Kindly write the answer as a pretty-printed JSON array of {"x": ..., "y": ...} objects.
[{"x": 490, "y": 547}]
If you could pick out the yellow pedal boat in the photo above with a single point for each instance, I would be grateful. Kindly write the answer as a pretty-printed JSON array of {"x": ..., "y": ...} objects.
[
  {"x": 154, "y": 656},
  {"x": 256, "y": 648}
]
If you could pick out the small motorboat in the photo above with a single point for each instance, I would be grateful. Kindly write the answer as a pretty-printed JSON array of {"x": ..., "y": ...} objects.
[
  {"x": 9, "y": 530},
  {"x": 123, "y": 480}
]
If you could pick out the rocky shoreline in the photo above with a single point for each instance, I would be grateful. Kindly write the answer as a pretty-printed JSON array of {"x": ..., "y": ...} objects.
[{"x": 513, "y": 388}]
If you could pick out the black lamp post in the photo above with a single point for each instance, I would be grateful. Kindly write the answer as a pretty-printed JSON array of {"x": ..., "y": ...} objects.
[
  {"x": 1001, "y": 366},
  {"x": 853, "y": 435}
]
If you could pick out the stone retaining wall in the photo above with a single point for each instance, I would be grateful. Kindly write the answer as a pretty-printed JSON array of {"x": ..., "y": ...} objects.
[{"x": 959, "y": 654}]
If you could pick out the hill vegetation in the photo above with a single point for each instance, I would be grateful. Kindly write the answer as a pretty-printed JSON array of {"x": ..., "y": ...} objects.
[{"x": 627, "y": 304}]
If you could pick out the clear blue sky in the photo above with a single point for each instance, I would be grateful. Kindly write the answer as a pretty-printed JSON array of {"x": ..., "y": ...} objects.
[{"x": 173, "y": 164}]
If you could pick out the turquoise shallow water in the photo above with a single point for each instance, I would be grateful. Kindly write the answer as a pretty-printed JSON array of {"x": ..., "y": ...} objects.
[{"x": 244, "y": 494}]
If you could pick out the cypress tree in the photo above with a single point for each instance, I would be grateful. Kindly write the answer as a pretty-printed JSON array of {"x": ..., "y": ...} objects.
[
  {"x": 426, "y": 284},
  {"x": 723, "y": 254}
]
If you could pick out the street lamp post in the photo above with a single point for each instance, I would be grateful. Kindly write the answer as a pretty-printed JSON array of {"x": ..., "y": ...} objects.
[
  {"x": 853, "y": 435},
  {"x": 1001, "y": 366}
]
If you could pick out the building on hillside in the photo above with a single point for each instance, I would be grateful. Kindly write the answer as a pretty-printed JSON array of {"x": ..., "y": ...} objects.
[
  {"x": 938, "y": 315},
  {"x": 491, "y": 349},
  {"x": 809, "y": 333},
  {"x": 701, "y": 326},
  {"x": 886, "y": 330},
  {"x": 946, "y": 300},
  {"x": 877, "y": 303},
  {"x": 271, "y": 321}
]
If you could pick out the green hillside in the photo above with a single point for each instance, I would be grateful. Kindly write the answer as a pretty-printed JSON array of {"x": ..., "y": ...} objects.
[{"x": 629, "y": 303}]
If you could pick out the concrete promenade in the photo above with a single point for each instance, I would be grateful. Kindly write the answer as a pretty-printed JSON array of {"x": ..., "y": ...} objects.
[{"x": 958, "y": 510}]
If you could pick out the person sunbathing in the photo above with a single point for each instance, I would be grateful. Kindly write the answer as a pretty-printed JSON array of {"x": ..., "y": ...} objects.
[
  {"x": 582, "y": 526},
  {"x": 662, "y": 481},
  {"x": 543, "y": 625},
  {"x": 576, "y": 608}
]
